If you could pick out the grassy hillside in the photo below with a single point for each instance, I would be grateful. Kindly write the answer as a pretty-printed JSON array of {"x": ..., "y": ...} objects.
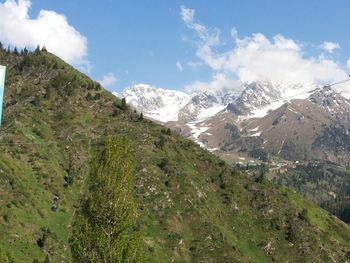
[
  {"x": 192, "y": 206},
  {"x": 327, "y": 184}
]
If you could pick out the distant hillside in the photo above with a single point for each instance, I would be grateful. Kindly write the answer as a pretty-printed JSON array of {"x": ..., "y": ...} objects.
[
  {"x": 325, "y": 183},
  {"x": 192, "y": 206}
]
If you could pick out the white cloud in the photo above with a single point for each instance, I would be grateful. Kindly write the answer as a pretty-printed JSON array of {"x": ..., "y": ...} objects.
[
  {"x": 208, "y": 36},
  {"x": 179, "y": 65},
  {"x": 258, "y": 58},
  {"x": 108, "y": 80},
  {"x": 330, "y": 46},
  {"x": 220, "y": 81},
  {"x": 48, "y": 29}
]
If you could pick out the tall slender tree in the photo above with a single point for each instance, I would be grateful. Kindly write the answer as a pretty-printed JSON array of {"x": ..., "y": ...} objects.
[{"x": 104, "y": 226}]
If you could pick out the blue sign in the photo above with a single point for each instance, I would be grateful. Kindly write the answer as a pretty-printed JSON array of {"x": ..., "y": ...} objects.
[{"x": 2, "y": 87}]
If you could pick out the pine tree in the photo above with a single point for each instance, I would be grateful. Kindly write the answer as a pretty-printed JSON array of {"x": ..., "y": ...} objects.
[
  {"x": 104, "y": 227},
  {"x": 160, "y": 144},
  {"x": 123, "y": 105},
  {"x": 141, "y": 116},
  {"x": 37, "y": 50}
]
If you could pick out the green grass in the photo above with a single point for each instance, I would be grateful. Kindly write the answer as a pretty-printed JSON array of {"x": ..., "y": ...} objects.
[{"x": 195, "y": 209}]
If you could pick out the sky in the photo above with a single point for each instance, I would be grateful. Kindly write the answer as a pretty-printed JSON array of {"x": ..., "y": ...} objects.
[{"x": 187, "y": 45}]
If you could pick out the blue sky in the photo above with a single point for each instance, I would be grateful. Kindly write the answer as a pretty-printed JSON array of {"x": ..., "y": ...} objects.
[{"x": 151, "y": 41}]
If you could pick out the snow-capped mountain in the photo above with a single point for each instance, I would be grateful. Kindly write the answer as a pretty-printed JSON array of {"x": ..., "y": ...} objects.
[
  {"x": 317, "y": 126},
  {"x": 201, "y": 106},
  {"x": 255, "y": 100},
  {"x": 330, "y": 100},
  {"x": 290, "y": 121},
  {"x": 258, "y": 98},
  {"x": 159, "y": 104},
  {"x": 170, "y": 105}
]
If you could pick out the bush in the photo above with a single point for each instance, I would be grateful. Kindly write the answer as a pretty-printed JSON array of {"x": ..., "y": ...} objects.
[
  {"x": 166, "y": 131},
  {"x": 123, "y": 105},
  {"x": 303, "y": 215},
  {"x": 161, "y": 142},
  {"x": 261, "y": 178},
  {"x": 163, "y": 163}
]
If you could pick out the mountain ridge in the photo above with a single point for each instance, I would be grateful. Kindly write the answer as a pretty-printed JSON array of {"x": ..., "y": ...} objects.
[{"x": 260, "y": 102}]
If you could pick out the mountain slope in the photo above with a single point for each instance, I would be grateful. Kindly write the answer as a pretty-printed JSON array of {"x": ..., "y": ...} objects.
[{"x": 192, "y": 206}]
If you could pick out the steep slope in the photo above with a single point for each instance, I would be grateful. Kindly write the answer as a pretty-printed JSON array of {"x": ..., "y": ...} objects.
[{"x": 192, "y": 206}]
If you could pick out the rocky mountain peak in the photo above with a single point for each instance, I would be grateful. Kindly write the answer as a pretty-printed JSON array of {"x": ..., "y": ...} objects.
[
  {"x": 205, "y": 99},
  {"x": 329, "y": 99}
]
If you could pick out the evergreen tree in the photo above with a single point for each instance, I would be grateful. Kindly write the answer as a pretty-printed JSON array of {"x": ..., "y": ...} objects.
[
  {"x": 104, "y": 227},
  {"x": 261, "y": 177},
  {"x": 141, "y": 116},
  {"x": 37, "y": 50},
  {"x": 160, "y": 144},
  {"x": 123, "y": 105}
]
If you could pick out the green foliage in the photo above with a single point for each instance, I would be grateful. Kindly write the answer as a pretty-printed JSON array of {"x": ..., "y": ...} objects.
[
  {"x": 123, "y": 105},
  {"x": 290, "y": 151},
  {"x": 103, "y": 229},
  {"x": 163, "y": 163},
  {"x": 166, "y": 131},
  {"x": 291, "y": 232},
  {"x": 326, "y": 184},
  {"x": 5, "y": 257},
  {"x": 259, "y": 154},
  {"x": 161, "y": 141},
  {"x": 261, "y": 178},
  {"x": 303, "y": 215}
]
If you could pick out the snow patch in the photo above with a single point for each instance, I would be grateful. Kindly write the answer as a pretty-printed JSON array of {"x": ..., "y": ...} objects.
[
  {"x": 255, "y": 134},
  {"x": 212, "y": 149},
  {"x": 196, "y": 131},
  {"x": 254, "y": 130},
  {"x": 206, "y": 113}
]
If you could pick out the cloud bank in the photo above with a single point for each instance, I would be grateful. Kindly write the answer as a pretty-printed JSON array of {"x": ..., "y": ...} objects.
[
  {"x": 48, "y": 29},
  {"x": 258, "y": 58}
]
